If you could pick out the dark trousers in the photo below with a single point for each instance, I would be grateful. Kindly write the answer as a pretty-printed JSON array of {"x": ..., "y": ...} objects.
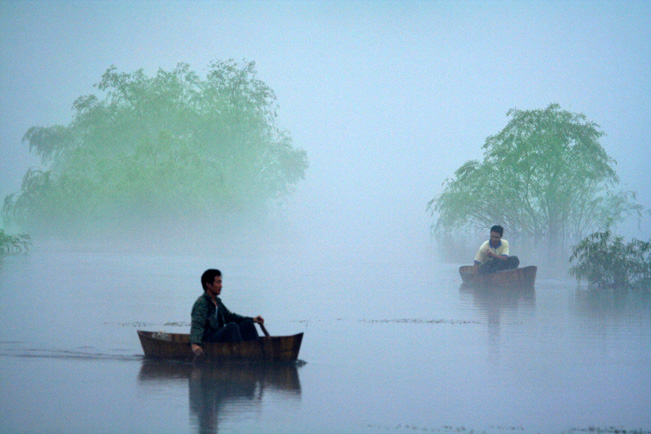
[
  {"x": 498, "y": 265},
  {"x": 233, "y": 332}
]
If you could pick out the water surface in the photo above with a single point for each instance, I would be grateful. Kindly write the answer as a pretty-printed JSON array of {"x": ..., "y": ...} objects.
[{"x": 393, "y": 344}]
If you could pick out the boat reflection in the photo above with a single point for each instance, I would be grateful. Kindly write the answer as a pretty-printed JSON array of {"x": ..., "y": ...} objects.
[
  {"x": 214, "y": 386},
  {"x": 493, "y": 301}
]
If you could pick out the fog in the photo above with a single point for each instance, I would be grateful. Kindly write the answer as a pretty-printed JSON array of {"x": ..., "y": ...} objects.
[{"x": 387, "y": 98}]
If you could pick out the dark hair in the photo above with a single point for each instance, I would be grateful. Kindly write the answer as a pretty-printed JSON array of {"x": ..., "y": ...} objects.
[
  {"x": 499, "y": 229},
  {"x": 208, "y": 276}
]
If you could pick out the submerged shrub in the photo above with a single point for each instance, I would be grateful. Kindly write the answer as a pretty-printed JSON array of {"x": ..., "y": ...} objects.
[
  {"x": 13, "y": 243},
  {"x": 606, "y": 261}
]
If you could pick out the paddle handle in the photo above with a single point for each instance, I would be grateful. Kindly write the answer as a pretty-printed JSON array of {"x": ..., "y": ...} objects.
[{"x": 264, "y": 329}]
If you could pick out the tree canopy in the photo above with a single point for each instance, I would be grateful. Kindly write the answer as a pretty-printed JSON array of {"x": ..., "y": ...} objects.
[
  {"x": 545, "y": 174},
  {"x": 169, "y": 145}
]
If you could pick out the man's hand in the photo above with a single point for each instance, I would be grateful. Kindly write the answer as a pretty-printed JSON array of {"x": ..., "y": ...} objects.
[
  {"x": 197, "y": 350},
  {"x": 494, "y": 256},
  {"x": 258, "y": 320}
]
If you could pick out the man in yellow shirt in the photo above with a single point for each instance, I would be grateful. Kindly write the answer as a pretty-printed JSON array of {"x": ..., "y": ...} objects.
[{"x": 493, "y": 255}]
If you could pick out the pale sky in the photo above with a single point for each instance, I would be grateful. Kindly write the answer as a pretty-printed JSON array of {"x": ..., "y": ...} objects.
[{"x": 388, "y": 98}]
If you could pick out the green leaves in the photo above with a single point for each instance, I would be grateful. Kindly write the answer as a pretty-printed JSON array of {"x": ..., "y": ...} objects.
[
  {"x": 168, "y": 145},
  {"x": 607, "y": 262},
  {"x": 13, "y": 243},
  {"x": 545, "y": 174}
]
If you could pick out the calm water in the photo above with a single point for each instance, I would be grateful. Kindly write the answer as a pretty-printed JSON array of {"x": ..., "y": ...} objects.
[{"x": 393, "y": 344}]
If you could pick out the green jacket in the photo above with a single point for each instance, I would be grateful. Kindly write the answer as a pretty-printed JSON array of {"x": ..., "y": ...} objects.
[{"x": 207, "y": 319}]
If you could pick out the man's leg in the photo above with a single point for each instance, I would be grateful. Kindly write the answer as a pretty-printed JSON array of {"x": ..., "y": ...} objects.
[
  {"x": 511, "y": 263},
  {"x": 498, "y": 265},
  {"x": 248, "y": 330},
  {"x": 229, "y": 333},
  {"x": 488, "y": 267}
]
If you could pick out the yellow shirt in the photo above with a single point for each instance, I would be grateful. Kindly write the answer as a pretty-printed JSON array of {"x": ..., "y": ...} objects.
[{"x": 501, "y": 250}]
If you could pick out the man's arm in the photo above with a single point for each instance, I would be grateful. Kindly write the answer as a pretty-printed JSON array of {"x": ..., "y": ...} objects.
[
  {"x": 503, "y": 252},
  {"x": 499, "y": 257},
  {"x": 233, "y": 317},
  {"x": 479, "y": 257},
  {"x": 197, "y": 327}
]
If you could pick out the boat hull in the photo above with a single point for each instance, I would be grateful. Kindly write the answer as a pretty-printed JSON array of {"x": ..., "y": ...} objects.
[
  {"x": 162, "y": 345},
  {"x": 519, "y": 277}
]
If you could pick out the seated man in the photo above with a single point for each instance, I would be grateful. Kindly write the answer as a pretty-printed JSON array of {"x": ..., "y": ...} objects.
[
  {"x": 493, "y": 255},
  {"x": 213, "y": 322}
]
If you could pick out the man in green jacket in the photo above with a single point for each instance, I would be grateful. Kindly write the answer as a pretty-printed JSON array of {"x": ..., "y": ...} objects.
[{"x": 213, "y": 322}]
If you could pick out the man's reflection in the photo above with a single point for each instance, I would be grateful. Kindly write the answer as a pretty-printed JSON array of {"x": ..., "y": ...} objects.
[
  {"x": 213, "y": 386},
  {"x": 494, "y": 301}
]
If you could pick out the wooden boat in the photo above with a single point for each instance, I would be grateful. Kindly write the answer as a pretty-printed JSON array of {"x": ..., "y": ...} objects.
[
  {"x": 524, "y": 277},
  {"x": 265, "y": 349}
]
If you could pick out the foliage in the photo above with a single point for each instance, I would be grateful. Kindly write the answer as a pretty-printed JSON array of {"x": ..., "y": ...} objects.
[
  {"x": 545, "y": 174},
  {"x": 13, "y": 243},
  {"x": 606, "y": 261},
  {"x": 167, "y": 146}
]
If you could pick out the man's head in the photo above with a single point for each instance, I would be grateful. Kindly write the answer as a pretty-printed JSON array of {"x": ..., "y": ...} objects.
[
  {"x": 208, "y": 278},
  {"x": 499, "y": 229},
  {"x": 496, "y": 235}
]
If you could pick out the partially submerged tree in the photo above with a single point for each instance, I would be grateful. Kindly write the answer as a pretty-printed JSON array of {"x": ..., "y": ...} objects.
[
  {"x": 160, "y": 147},
  {"x": 545, "y": 175},
  {"x": 18, "y": 243},
  {"x": 607, "y": 262}
]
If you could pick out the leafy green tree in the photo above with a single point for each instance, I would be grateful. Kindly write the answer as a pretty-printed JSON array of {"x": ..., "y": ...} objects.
[
  {"x": 545, "y": 175},
  {"x": 161, "y": 147},
  {"x": 607, "y": 262}
]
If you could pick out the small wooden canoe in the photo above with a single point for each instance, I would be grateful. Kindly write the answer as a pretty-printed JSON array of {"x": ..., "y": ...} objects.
[
  {"x": 524, "y": 277},
  {"x": 265, "y": 349}
]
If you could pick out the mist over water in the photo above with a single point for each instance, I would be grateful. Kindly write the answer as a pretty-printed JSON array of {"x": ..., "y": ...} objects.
[
  {"x": 393, "y": 342},
  {"x": 388, "y": 99}
]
